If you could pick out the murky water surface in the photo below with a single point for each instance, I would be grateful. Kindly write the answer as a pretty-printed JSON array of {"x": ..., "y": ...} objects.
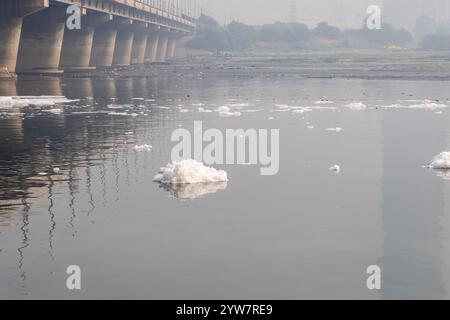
[{"x": 306, "y": 232}]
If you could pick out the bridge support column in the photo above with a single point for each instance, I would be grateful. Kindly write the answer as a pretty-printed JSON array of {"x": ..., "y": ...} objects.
[
  {"x": 41, "y": 42},
  {"x": 77, "y": 44},
  {"x": 103, "y": 47},
  {"x": 12, "y": 13},
  {"x": 162, "y": 47},
  {"x": 152, "y": 46},
  {"x": 139, "y": 45},
  {"x": 171, "y": 47},
  {"x": 104, "y": 43},
  {"x": 11, "y": 28},
  {"x": 123, "y": 46}
]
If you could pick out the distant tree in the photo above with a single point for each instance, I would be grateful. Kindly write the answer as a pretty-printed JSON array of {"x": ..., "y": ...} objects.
[
  {"x": 284, "y": 32},
  {"x": 210, "y": 35},
  {"x": 241, "y": 36},
  {"x": 324, "y": 30},
  {"x": 385, "y": 36},
  {"x": 436, "y": 42},
  {"x": 238, "y": 36}
]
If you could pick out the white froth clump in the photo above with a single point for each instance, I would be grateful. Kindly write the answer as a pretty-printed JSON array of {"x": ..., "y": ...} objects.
[
  {"x": 227, "y": 112},
  {"x": 425, "y": 105},
  {"x": 337, "y": 129},
  {"x": 356, "y": 106},
  {"x": 203, "y": 110},
  {"x": 38, "y": 101},
  {"x": 143, "y": 148},
  {"x": 441, "y": 161},
  {"x": 336, "y": 168},
  {"x": 188, "y": 172},
  {"x": 429, "y": 105}
]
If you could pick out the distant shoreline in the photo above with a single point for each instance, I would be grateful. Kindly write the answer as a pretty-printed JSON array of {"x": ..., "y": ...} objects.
[{"x": 349, "y": 64}]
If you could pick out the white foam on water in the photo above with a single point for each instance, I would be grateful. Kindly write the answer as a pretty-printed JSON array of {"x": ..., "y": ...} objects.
[
  {"x": 252, "y": 110},
  {"x": 188, "y": 172},
  {"x": 37, "y": 101},
  {"x": 337, "y": 129},
  {"x": 203, "y": 110},
  {"x": 54, "y": 111},
  {"x": 429, "y": 105},
  {"x": 356, "y": 106},
  {"x": 118, "y": 114},
  {"x": 143, "y": 148},
  {"x": 226, "y": 111},
  {"x": 117, "y": 106},
  {"x": 336, "y": 168},
  {"x": 425, "y": 105},
  {"x": 183, "y": 110},
  {"x": 441, "y": 165},
  {"x": 282, "y": 108},
  {"x": 441, "y": 161},
  {"x": 301, "y": 109}
]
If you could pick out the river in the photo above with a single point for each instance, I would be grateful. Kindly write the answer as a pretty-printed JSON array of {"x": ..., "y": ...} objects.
[{"x": 75, "y": 191}]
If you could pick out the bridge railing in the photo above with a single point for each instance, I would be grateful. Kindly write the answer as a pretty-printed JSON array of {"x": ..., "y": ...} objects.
[{"x": 162, "y": 8}]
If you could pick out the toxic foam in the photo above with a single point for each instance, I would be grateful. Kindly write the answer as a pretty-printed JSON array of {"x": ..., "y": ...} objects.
[{"x": 188, "y": 172}]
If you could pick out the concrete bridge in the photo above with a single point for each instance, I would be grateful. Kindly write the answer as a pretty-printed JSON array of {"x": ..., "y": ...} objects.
[{"x": 35, "y": 38}]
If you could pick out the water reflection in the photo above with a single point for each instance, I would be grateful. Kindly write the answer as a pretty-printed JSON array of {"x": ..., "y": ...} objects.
[
  {"x": 444, "y": 174},
  {"x": 311, "y": 217},
  {"x": 84, "y": 136},
  {"x": 25, "y": 239},
  {"x": 413, "y": 209},
  {"x": 195, "y": 190},
  {"x": 34, "y": 143}
]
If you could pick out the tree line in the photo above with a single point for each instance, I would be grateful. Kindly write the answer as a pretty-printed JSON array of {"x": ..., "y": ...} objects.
[{"x": 240, "y": 37}]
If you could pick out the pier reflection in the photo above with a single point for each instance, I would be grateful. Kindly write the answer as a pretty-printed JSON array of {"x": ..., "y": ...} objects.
[
  {"x": 67, "y": 165},
  {"x": 86, "y": 144}
]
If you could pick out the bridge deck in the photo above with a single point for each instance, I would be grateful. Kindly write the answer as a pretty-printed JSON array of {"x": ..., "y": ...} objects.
[{"x": 139, "y": 10}]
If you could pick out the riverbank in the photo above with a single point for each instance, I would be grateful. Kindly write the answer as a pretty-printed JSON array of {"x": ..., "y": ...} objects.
[{"x": 399, "y": 64}]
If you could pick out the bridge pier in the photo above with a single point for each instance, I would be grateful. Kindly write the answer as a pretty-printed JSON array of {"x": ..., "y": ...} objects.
[
  {"x": 77, "y": 44},
  {"x": 139, "y": 44},
  {"x": 11, "y": 28},
  {"x": 33, "y": 37},
  {"x": 109, "y": 46},
  {"x": 103, "y": 47},
  {"x": 152, "y": 45},
  {"x": 41, "y": 42},
  {"x": 162, "y": 47},
  {"x": 12, "y": 13},
  {"x": 123, "y": 45},
  {"x": 172, "y": 46}
]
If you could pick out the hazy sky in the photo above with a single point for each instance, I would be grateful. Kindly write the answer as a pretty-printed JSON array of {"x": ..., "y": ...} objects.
[{"x": 343, "y": 13}]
